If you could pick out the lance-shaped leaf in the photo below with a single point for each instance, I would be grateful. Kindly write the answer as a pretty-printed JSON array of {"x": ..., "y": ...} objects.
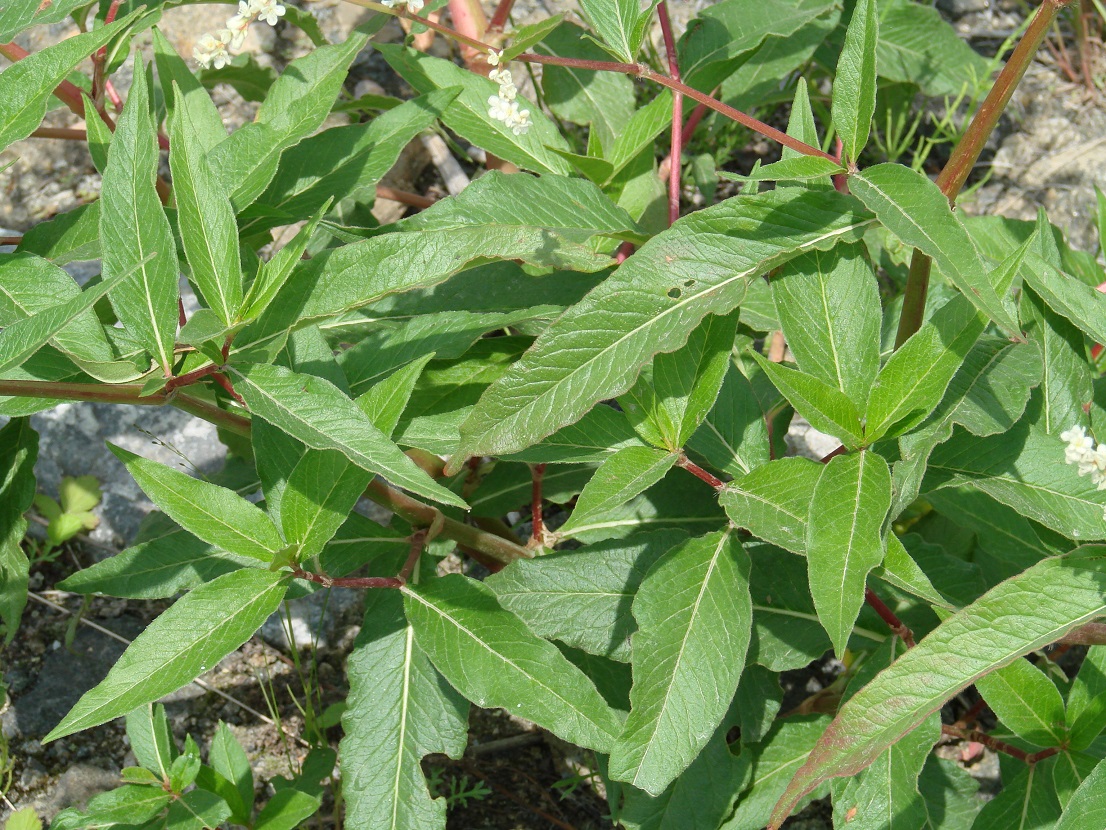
[
  {"x": 321, "y": 492},
  {"x": 627, "y": 473},
  {"x": 26, "y": 85},
  {"x": 1086, "y": 713},
  {"x": 1066, "y": 375},
  {"x": 734, "y": 436},
  {"x": 1023, "y": 469},
  {"x": 1028, "y": 801},
  {"x": 826, "y": 407},
  {"x": 18, "y": 451},
  {"x": 398, "y": 711},
  {"x": 184, "y": 93},
  {"x": 582, "y": 597},
  {"x": 1078, "y": 302},
  {"x": 207, "y": 225},
  {"x": 1017, "y": 616},
  {"x": 914, "y": 209},
  {"x": 118, "y": 807},
  {"x": 773, "y": 501},
  {"x": 210, "y": 512},
  {"x": 828, "y": 306},
  {"x": 854, "y": 85},
  {"x": 674, "y": 395},
  {"x": 15, "y": 17},
  {"x": 799, "y": 168},
  {"x": 1026, "y": 701},
  {"x": 198, "y": 631},
  {"x": 134, "y": 232},
  {"x": 21, "y": 339},
  {"x": 316, "y": 412},
  {"x": 695, "y": 618},
  {"x": 699, "y": 266},
  {"x": 844, "y": 537},
  {"x": 492, "y": 658},
  {"x": 468, "y": 114},
  {"x": 1086, "y": 810},
  {"x": 620, "y": 23}
]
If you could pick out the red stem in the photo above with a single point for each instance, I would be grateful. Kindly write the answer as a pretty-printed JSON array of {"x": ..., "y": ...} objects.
[
  {"x": 66, "y": 133},
  {"x": 100, "y": 58},
  {"x": 499, "y": 18},
  {"x": 349, "y": 581},
  {"x": 699, "y": 472},
  {"x": 10, "y": 240},
  {"x": 888, "y": 616},
  {"x": 222, "y": 380},
  {"x": 418, "y": 542},
  {"x": 188, "y": 378},
  {"x": 537, "y": 533},
  {"x": 674, "y": 167},
  {"x": 693, "y": 122}
]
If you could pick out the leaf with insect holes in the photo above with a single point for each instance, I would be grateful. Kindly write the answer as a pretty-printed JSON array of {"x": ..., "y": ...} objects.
[{"x": 1015, "y": 617}]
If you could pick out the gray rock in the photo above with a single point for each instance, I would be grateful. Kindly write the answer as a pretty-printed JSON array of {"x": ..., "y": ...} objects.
[
  {"x": 74, "y": 788},
  {"x": 959, "y": 8},
  {"x": 313, "y": 616}
]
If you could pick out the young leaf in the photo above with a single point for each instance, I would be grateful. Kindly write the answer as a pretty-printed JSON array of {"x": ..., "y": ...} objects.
[
  {"x": 912, "y": 207},
  {"x": 468, "y": 114},
  {"x": 198, "y": 631},
  {"x": 620, "y": 23},
  {"x": 854, "y": 85},
  {"x": 492, "y": 658},
  {"x": 695, "y": 618},
  {"x": 844, "y": 537},
  {"x": 1086, "y": 713},
  {"x": 399, "y": 710},
  {"x": 772, "y": 502},
  {"x": 185, "y": 95},
  {"x": 229, "y": 760},
  {"x": 385, "y": 401},
  {"x": 582, "y": 597},
  {"x": 18, "y": 451},
  {"x": 316, "y": 412},
  {"x": 828, "y": 307},
  {"x": 135, "y": 234},
  {"x": 122, "y": 806},
  {"x": 1086, "y": 809},
  {"x": 214, "y": 514},
  {"x": 1020, "y": 615},
  {"x": 699, "y": 266},
  {"x": 207, "y": 225},
  {"x": 26, "y": 85},
  {"x": 321, "y": 492},
  {"x": 799, "y": 168},
  {"x": 676, "y": 395},
  {"x": 826, "y": 407},
  {"x": 624, "y": 475},
  {"x": 1026, "y": 701}
]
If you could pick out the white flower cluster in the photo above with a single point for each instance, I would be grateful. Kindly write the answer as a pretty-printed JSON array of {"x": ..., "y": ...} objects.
[
  {"x": 413, "y": 6},
  {"x": 1081, "y": 451},
  {"x": 214, "y": 50},
  {"x": 503, "y": 107}
]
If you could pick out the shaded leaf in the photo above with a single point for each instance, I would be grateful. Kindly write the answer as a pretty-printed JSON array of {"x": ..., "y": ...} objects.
[
  {"x": 625, "y": 474},
  {"x": 1026, "y": 701}
]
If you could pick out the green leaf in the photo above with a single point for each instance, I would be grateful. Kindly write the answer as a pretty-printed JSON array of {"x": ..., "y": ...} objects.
[
  {"x": 385, "y": 401},
  {"x": 828, "y": 307},
  {"x": 624, "y": 475},
  {"x": 185, "y": 97},
  {"x": 97, "y": 135},
  {"x": 912, "y": 207},
  {"x": 1023, "y": 469},
  {"x": 844, "y": 538},
  {"x": 951, "y": 794},
  {"x": 1067, "y": 296},
  {"x": 509, "y": 486},
  {"x": 603, "y": 100},
  {"x": 227, "y": 758},
  {"x": 673, "y": 396},
  {"x": 491, "y": 657},
  {"x": 1066, "y": 380},
  {"x": 826, "y": 407},
  {"x": 526, "y": 36},
  {"x": 296, "y": 105},
  {"x": 468, "y": 114},
  {"x": 798, "y": 168},
  {"x": 274, "y": 272},
  {"x": 699, "y": 266},
  {"x": 1086, "y": 810},
  {"x": 398, "y": 711},
  {"x": 27, "y": 84},
  {"x": 198, "y": 631},
  {"x": 917, "y": 46},
  {"x": 24, "y": 819},
  {"x": 70, "y": 236},
  {"x": 695, "y": 619},
  {"x": 322, "y": 490},
  {"x": 913, "y": 381},
  {"x": 1086, "y": 713},
  {"x": 18, "y": 451},
  {"x": 582, "y": 597},
  {"x": 125, "y": 805},
  {"x": 207, "y": 225},
  {"x": 341, "y": 163},
  {"x": 772, "y": 501},
  {"x": 1017, "y": 616},
  {"x": 773, "y": 761},
  {"x": 1026, "y": 702},
  {"x": 599, "y": 434},
  {"x": 1027, "y": 802},
  {"x": 197, "y": 810},
  {"x": 287, "y": 809},
  {"x": 15, "y": 17},
  {"x": 135, "y": 234},
  {"x": 314, "y": 411},
  {"x": 210, "y": 512},
  {"x": 854, "y": 85},
  {"x": 620, "y": 23}
]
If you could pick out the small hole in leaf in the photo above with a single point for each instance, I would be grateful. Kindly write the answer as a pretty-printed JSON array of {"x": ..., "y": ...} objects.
[
  {"x": 689, "y": 283},
  {"x": 674, "y": 293}
]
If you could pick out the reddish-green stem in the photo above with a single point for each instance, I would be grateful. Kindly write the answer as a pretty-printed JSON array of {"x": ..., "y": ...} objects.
[
  {"x": 418, "y": 542},
  {"x": 997, "y": 745},
  {"x": 966, "y": 154},
  {"x": 10, "y": 240},
  {"x": 99, "y": 59},
  {"x": 537, "y": 532},
  {"x": 349, "y": 581},
  {"x": 501, "y": 15},
  {"x": 674, "y": 167},
  {"x": 701, "y": 474},
  {"x": 66, "y": 133},
  {"x": 898, "y": 628}
]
